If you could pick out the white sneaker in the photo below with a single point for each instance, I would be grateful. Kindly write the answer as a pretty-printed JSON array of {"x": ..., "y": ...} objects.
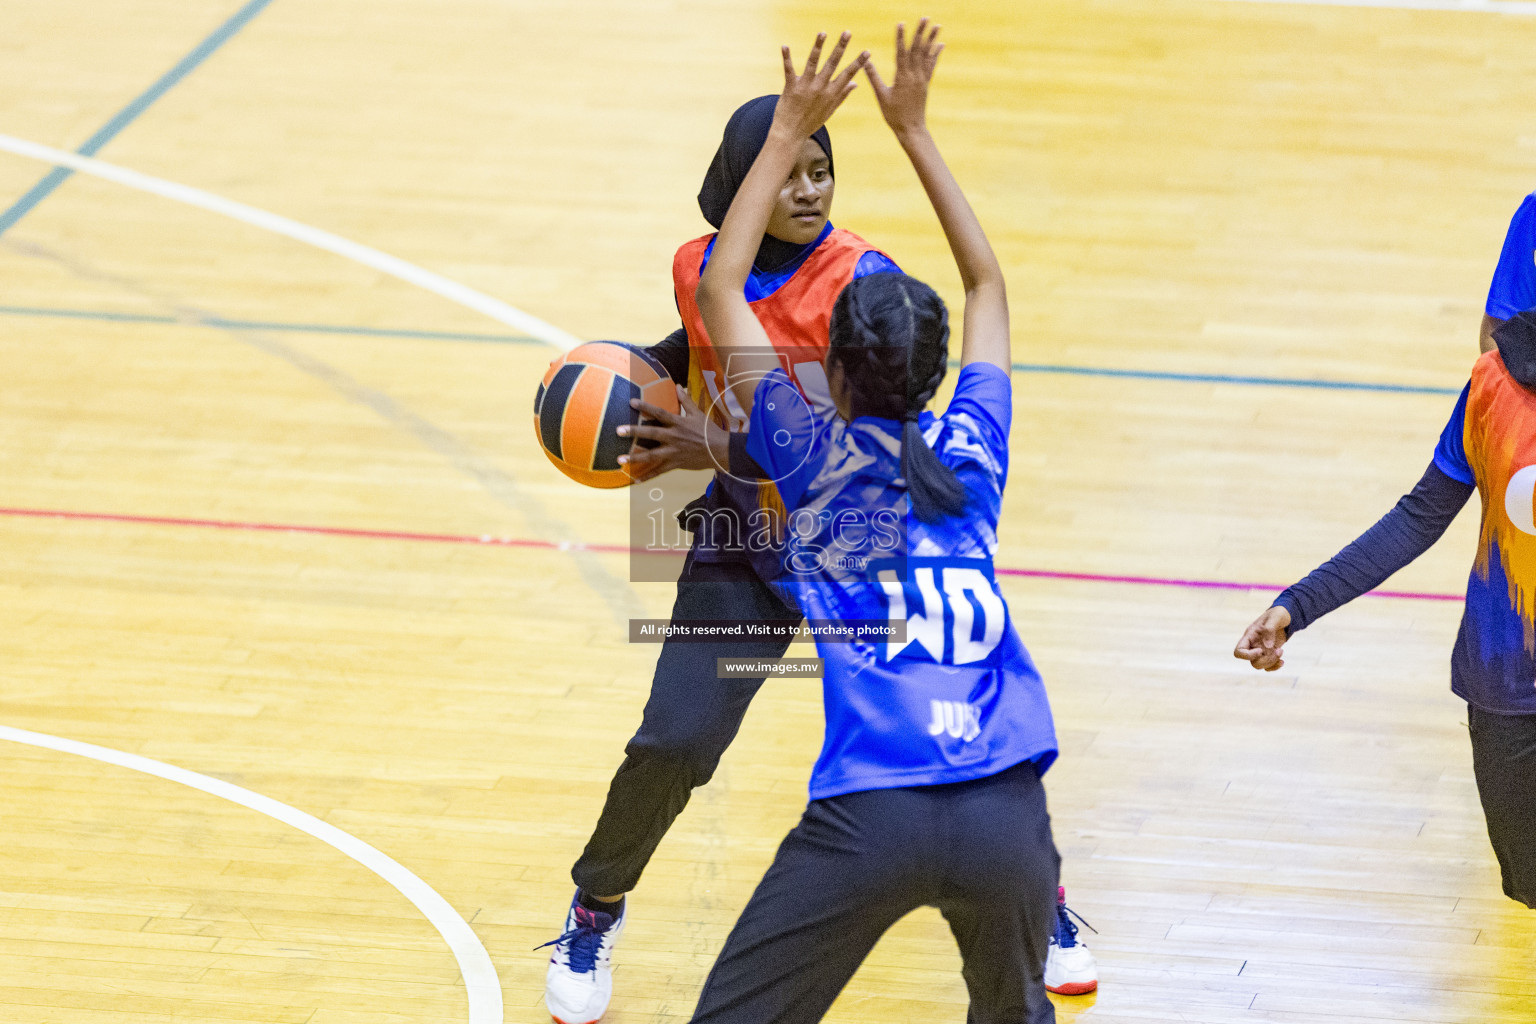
[
  {"x": 579, "y": 982},
  {"x": 1070, "y": 969}
]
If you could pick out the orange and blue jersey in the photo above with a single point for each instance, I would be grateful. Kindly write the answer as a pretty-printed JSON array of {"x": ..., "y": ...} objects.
[
  {"x": 1490, "y": 442},
  {"x": 794, "y": 305}
]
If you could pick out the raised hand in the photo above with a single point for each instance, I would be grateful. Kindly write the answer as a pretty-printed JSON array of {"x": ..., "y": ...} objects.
[
  {"x": 904, "y": 102},
  {"x": 810, "y": 98},
  {"x": 1263, "y": 642}
]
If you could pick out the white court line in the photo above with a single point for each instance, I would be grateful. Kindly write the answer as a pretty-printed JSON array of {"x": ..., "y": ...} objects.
[
  {"x": 480, "y": 981},
  {"x": 369, "y": 257},
  {"x": 1521, "y": 7}
]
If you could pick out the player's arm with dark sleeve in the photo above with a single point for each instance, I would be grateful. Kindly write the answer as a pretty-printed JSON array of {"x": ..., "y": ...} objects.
[
  {"x": 1413, "y": 526},
  {"x": 1419, "y": 519},
  {"x": 672, "y": 353},
  {"x": 1513, "y": 289}
]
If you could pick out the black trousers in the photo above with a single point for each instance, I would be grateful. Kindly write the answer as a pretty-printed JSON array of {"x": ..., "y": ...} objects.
[
  {"x": 689, "y": 720},
  {"x": 980, "y": 851},
  {"x": 1504, "y": 761}
]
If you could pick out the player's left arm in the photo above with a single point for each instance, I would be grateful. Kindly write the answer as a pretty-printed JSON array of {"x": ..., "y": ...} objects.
[{"x": 807, "y": 101}]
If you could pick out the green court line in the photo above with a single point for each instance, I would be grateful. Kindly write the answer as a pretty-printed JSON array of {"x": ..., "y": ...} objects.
[
  {"x": 265, "y": 325},
  {"x": 123, "y": 118},
  {"x": 517, "y": 339}
]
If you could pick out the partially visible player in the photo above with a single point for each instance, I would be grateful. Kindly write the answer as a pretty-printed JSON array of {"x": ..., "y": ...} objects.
[
  {"x": 1489, "y": 444},
  {"x": 800, "y": 264},
  {"x": 1513, "y": 289},
  {"x": 928, "y": 787}
]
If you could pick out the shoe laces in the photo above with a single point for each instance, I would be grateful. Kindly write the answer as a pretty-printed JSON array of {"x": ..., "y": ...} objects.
[
  {"x": 1066, "y": 931},
  {"x": 583, "y": 941}
]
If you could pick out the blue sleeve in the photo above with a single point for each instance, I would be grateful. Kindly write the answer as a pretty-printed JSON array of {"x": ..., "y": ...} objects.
[
  {"x": 874, "y": 263},
  {"x": 984, "y": 397},
  {"x": 1451, "y": 452},
  {"x": 1514, "y": 281},
  {"x": 784, "y": 437}
]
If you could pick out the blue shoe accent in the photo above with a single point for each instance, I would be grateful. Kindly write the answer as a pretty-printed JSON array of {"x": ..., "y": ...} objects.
[
  {"x": 585, "y": 938},
  {"x": 1066, "y": 931}
]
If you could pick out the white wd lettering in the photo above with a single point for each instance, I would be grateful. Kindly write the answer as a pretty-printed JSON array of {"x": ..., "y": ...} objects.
[
  {"x": 958, "y": 583},
  {"x": 926, "y": 626},
  {"x": 1518, "y": 499},
  {"x": 956, "y": 718}
]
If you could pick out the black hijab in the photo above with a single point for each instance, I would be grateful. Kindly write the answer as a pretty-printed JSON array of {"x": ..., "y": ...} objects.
[
  {"x": 745, "y": 134},
  {"x": 1516, "y": 339}
]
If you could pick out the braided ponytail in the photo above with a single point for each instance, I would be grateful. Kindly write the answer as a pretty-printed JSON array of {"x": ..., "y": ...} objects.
[{"x": 890, "y": 333}]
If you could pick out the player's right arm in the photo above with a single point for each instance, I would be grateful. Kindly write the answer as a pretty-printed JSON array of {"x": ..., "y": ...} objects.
[
  {"x": 1413, "y": 526},
  {"x": 903, "y": 104}
]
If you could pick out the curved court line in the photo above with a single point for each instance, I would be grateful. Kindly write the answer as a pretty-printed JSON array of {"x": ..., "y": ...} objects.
[
  {"x": 491, "y": 540},
  {"x": 1519, "y": 7},
  {"x": 480, "y": 981},
  {"x": 451, "y": 290}
]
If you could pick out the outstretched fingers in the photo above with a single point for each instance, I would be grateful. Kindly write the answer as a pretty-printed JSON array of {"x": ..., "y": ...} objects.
[
  {"x": 875, "y": 81},
  {"x": 836, "y": 56},
  {"x": 815, "y": 57},
  {"x": 930, "y": 52},
  {"x": 844, "y": 81}
]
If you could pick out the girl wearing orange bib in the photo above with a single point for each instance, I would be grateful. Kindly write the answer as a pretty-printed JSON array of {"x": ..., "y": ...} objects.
[
  {"x": 1488, "y": 447},
  {"x": 691, "y": 715}
]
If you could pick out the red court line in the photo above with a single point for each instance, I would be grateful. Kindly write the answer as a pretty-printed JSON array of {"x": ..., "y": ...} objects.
[
  {"x": 330, "y": 531},
  {"x": 621, "y": 549}
]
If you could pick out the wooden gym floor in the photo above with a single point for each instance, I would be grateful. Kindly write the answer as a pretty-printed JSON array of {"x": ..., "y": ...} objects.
[{"x": 1177, "y": 187}]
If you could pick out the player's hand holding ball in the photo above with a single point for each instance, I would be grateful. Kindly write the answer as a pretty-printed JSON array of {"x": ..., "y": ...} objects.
[
  {"x": 666, "y": 440},
  {"x": 585, "y": 397}
]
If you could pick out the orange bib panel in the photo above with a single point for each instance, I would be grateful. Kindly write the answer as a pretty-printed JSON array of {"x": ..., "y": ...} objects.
[{"x": 796, "y": 318}]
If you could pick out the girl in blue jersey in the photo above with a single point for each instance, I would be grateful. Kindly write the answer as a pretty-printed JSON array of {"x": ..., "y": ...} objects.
[{"x": 927, "y": 790}]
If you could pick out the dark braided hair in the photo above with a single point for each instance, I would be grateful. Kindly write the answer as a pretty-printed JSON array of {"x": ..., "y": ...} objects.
[{"x": 890, "y": 335}]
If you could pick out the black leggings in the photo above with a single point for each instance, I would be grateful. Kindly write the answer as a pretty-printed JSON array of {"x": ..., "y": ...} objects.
[
  {"x": 980, "y": 851},
  {"x": 689, "y": 720},
  {"x": 1504, "y": 761}
]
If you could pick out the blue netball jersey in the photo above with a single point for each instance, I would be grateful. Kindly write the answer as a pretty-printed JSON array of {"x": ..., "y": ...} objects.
[{"x": 960, "y": 698}]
